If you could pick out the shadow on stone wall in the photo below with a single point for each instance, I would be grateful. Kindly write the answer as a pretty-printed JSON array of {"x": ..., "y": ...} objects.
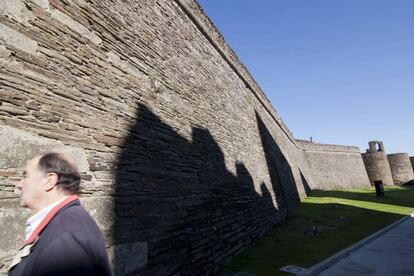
[
  {"x": 280, "y": 171},
  {"x": 305, "y": 183},
  {"x": 178, "y": 209}
]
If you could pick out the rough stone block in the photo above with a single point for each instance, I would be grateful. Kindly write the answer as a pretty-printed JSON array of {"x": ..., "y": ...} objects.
[
  {"x": 76, "y": 26},
  {"x": 17, "y": 10},
  {"x": 18, "y": 146},
  {"x": 102, "y": 210},
  {"x": 128, "y": 258},
  {"x": 16, "y": 39},
  {"x": 13, "y": 219}
]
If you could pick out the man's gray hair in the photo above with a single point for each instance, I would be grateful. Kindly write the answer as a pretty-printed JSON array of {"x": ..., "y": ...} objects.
[{"x": 66, "y": 170}]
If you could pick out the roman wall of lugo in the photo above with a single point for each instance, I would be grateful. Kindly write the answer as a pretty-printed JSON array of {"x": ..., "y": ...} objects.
[
  {"x": 390, "y": 169},
  {"x": 412, "y": 161},
  {"x": 376, "y": 164},
  {"x": 401, "y": 169},
  {"x": 184, "y": 161}
]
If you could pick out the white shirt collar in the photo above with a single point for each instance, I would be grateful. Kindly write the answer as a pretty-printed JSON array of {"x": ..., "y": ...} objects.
[{"x": 35, "y": 220}]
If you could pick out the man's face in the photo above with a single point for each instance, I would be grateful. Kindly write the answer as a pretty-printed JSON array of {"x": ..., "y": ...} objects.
[{"x": 31, "y": 186}]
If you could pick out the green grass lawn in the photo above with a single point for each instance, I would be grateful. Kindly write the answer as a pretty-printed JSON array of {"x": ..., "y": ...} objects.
[{"x": 323, "y": 224}]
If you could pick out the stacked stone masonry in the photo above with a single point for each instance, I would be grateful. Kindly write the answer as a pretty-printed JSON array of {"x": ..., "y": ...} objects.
[
  {"x": 334, "y": 166},
  {"x": 391, "y": 169},
  {"x": 378, "y": 167},
  {"x": 183, "y": 159},
  {"x": 401, "y": 168},
  {"x": 176, "y": 176},
  {"x": 412, "y": 161}
]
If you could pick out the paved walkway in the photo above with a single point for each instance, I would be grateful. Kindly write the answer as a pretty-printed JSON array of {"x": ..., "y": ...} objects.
[{"x": 388, "y": 252}]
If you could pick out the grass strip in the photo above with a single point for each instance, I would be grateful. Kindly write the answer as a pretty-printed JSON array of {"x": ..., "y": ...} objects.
[{"x": 324, "y": 223}]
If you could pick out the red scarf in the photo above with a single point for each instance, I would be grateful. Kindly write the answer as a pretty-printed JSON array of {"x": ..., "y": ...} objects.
[{"x": 49, "y": 217}]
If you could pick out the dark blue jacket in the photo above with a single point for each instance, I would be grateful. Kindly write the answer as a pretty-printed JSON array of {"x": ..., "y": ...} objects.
[{"x": 71, "y": 244}]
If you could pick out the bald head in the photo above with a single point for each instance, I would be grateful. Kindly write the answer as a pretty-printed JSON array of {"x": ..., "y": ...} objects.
[{"x": 64, "y": 167}]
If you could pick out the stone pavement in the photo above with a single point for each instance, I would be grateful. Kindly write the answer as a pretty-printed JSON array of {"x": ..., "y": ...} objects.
[{"x": 387, "y": 252}]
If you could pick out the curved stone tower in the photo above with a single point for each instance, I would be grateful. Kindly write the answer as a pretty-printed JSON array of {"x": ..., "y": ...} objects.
[
  {"x": 376, "y": 163},
  {"x": 412, "y": 162},
  {"x": 401, "y": 168}
]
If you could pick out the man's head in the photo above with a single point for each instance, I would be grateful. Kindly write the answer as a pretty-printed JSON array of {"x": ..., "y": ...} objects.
[{"x": 47, "y": 178}]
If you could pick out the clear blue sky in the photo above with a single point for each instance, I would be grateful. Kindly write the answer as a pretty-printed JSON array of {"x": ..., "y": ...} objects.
[{"x": 341, "y": 71}]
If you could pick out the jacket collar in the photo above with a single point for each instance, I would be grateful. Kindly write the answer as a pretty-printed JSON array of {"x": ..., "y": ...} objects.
[
  {"x": 34, "y": 237},
  {"x": 45, "y": 221}
]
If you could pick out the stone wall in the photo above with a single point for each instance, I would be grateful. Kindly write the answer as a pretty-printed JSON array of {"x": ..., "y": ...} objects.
[
  {"x": 412, "y": 161},
  {"x": 401, "y": 169},
  {"x": 378, "y": 167},
  {"x": 334, "y": 166},
  {"x": 184, "y": 161}
]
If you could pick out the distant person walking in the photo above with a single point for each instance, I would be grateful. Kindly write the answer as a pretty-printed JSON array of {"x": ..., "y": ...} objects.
[{"x": 61, "y": 238}]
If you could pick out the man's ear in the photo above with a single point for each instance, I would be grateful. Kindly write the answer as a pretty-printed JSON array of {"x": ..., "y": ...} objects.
[{"x": 51, "y": 181}]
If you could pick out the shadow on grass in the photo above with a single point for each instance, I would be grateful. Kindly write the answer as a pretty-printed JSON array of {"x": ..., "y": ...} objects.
[
  {"x": 397, "y": 195},
  {"x": 317, "y": 230}
]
